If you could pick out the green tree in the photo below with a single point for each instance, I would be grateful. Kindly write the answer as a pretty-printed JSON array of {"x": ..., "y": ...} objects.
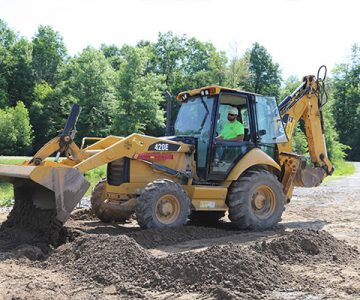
[
  {"x": 288, "y": 88},
  {"x": 139, "y": 95},
  {"x": 113, "y": 55},
  {"x": 264, "y": 74},
  {"x": 16, "y": 81},
  {"x": 20, "y": 80},
  {"x": 237, "y": 72},
  {"x": 203, "y": 64},
  {"x": 89, "y": 81},
  {"x": 45, "y": 114},
  {"x": 186, "y": 63},
  {"x": 299, "y": 142},
  {"x": 15, "y": 130},
  {"x": 7, "y": 41},
  {"x": 346, "y": 107},
  {"x": 49, "y": 53},
  {"x": 169, "y": 59},
  {"x": 336, "y": 150}
]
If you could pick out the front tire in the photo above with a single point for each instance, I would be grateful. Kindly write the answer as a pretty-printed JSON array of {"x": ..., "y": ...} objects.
[
  {"x": 163, "y": 203},
  {"x": 256, "y": 200},
  {"x": 107, "y": 211}
]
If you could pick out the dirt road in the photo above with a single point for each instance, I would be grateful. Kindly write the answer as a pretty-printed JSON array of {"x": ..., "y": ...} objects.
[
  {"x": 334, "y": 207},
  {"x": 312, "y": 254}
]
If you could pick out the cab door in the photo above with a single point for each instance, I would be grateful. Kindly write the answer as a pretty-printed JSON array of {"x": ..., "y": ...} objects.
[{"x": 225, "y": 154}]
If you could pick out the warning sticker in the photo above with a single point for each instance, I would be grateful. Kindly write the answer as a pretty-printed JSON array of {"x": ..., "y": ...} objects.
[{"x": 207, "y": 204}]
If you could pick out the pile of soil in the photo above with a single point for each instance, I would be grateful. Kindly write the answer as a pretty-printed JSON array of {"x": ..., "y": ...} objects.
[
  {"x": 228, "y": 271},
  {"x": 152, "y": 238},
  {"x": 305, "y": 245},
  {"x": 83, "y": 214},
  {"x": 119, "y": 261},
  {"x": 29, "y": 231}
]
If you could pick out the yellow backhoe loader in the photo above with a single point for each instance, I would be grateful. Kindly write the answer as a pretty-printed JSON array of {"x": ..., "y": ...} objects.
[{"x": 167, "y": 180}]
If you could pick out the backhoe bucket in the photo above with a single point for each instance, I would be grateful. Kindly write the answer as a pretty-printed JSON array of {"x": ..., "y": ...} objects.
[
  {"x": 309, "y": 177},
  {"x": 47, "y": 192}
]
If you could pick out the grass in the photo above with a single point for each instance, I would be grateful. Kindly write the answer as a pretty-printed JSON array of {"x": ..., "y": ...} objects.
[
  {"x": 94, "y": 176},
  {"x": 6, "y": 189},
  {"x": 12, "y": 160},
  {"x": 344, "y": 168},
  {"x": 6, "y": 194}
]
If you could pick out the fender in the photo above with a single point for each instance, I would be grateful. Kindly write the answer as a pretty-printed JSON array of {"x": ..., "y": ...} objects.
[{"x": 253, "y": 158}]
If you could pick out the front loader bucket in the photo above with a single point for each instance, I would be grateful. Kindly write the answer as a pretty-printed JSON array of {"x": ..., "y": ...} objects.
[
  {"x": 309, "y": 177},
  {"x": 43, "y": 192}
]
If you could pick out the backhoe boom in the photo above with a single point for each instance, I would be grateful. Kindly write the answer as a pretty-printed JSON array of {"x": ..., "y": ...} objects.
[{"x": 304, "y": 104}]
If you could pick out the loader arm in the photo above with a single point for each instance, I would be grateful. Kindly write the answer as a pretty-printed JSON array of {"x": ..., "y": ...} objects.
[
  {"x": 129, "y": 147},
  {"x": 59, "y": 144},
  {"x": 304, "y": 103}
]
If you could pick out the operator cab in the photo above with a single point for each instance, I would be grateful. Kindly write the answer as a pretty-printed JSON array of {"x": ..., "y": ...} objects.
[{"x": 203, "y": 115}]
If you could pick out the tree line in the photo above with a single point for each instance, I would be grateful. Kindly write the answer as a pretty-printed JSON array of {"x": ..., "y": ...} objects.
[{"x": 120, "y": 89}]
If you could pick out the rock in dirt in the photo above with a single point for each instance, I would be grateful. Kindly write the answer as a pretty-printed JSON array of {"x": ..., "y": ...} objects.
[{"x": 305, "y": 244}]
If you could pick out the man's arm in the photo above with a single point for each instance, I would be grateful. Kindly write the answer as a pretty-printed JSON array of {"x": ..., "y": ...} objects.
[{"x": 238, "y": 138}]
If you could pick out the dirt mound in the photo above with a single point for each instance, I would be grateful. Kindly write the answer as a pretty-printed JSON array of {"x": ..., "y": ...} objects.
[
  {"x": 120, "y": 261},
  {"x": 229, "y": 271},
  {"x": 20, "y": 242},
  {"x": 28, "y": 227},
  {"x": 102, "y": 258},
  {"x": 306, "y": 244},
  {"x": 232, "y": 267},
  {"x": 151, "y": 238},
  {"x": 83, "y": 214},
  {"x": 118, "y": 265}
]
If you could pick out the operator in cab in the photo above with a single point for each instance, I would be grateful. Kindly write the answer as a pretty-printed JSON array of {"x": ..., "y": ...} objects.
[{"x": 233, "y": 130}]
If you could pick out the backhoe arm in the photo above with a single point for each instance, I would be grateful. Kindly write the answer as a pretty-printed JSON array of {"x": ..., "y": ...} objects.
[{"x": 305, "y": 104}]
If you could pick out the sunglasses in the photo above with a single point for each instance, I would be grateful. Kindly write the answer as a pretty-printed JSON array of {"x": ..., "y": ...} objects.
[{"x": 232, "y": 115}]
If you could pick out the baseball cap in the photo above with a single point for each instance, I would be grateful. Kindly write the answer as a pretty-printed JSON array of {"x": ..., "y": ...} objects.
[{"x": 233, "y": 110}]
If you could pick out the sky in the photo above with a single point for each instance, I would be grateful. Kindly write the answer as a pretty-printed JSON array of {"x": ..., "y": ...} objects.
[{"x": 300, "y": 35}]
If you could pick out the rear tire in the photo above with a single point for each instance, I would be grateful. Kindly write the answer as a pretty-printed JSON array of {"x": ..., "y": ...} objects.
[
  {"x": 106, "y": 211},
  {"x": 163, "y": 203},
  {"x": 256, "y": 200}
]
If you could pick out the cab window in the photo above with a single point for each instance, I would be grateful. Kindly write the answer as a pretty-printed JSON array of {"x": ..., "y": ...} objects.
[
  {"x": 226, "y": 102},
  {"x": 269, "y": 123}
]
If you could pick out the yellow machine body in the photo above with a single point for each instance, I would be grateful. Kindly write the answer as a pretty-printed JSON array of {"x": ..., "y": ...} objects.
[{"x": 136, "y": 163}]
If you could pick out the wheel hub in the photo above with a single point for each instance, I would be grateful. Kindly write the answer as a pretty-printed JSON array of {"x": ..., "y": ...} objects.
[
  {"x": 259, "y": 201},
  {"x": 167, "y": 209},
  {"x": 263, "y": 202}
]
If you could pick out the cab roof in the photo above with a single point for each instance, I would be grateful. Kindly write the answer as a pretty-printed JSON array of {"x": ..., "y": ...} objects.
[{"x": 209, "y": 90}]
